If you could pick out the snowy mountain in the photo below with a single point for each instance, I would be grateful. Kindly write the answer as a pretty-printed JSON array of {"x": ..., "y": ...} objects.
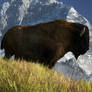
[{"x": 31, "y": 12}]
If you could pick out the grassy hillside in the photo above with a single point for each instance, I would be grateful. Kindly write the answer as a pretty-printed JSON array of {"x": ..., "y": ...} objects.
[{"x": 21, "y": 76}]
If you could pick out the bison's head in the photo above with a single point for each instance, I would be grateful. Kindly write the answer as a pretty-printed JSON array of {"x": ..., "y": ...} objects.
[{"x": 80, "y": 39}]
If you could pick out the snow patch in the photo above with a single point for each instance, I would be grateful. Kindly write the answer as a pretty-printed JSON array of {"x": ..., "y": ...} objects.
[
  {"x": 4, "y": 15},
  {"x": 23, "y": 10}
]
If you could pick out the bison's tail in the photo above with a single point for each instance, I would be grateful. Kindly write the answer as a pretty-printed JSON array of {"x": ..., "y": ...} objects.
[{"x": 2, "y": 42}]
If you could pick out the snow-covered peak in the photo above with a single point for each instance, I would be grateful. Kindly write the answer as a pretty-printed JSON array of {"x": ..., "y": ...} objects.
[
  {"x": 74, "y": 16},
  {"x": 35, "y": 11}
]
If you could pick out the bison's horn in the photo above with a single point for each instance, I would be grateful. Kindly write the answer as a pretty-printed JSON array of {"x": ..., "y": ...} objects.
[{"x": 83, "y": 31}]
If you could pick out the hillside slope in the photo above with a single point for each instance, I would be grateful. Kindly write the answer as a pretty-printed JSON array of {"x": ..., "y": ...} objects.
[{"x": 21, "y": 76}]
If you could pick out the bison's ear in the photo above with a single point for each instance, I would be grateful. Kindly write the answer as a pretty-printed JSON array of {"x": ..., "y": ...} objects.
[{"x": 82, "y": 32}]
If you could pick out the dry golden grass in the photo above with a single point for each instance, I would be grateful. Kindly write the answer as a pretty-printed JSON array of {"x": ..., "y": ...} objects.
[{"x": 22, "y": 76}]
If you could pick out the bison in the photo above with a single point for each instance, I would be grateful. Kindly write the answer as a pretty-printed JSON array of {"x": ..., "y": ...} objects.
[{"x": 46, "y": 42}]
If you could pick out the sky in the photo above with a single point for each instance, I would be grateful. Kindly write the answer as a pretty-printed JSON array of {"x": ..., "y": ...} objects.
[{"x": 83, "y": 7}]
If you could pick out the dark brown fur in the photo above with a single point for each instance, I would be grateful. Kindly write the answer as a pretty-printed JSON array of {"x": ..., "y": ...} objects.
[{"x": 46, "y": 42}]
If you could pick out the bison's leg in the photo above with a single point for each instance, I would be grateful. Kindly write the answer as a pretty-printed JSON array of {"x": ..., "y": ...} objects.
[
  {"x": 52, "y": 64},
  {"x": 58, "y": 53},
  {"x": 51, "y": 54},
  {"x": 7, "y": 54}
]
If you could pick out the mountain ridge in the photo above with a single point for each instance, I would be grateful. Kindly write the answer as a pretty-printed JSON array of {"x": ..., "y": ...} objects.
[{"x": 19, "y": 12}]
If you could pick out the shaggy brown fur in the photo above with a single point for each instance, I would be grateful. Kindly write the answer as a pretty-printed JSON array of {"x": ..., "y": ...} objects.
[{"x": 46, "y": 42}]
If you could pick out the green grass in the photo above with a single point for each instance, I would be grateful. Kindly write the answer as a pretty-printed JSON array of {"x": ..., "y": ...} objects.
[{"x": 22, "y": 76}]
